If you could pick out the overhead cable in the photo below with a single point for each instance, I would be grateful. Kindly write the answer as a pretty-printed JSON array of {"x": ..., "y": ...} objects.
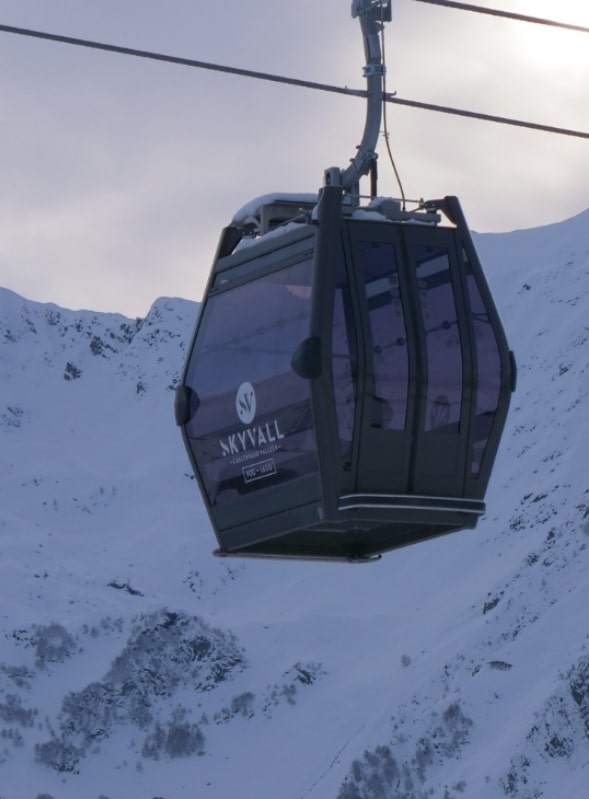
[
  {"x": 496, "y": 12},
  {"x": 324, "y": 87},
  {"x": 187, "y": 62},
  {"x": 461, "y": 112}
]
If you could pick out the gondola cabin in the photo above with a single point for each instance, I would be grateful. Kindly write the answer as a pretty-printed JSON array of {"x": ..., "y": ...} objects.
[{"x": 348, "y": 380}]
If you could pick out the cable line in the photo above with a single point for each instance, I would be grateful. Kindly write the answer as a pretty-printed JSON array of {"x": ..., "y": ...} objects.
[
  {"x": 386, "y": 134},
  {"x": 461, "y": 112},
  {"x": 187, "y": 62},
  {"x": 495, "y": 12},
  {"x": 306, "y": 84}
]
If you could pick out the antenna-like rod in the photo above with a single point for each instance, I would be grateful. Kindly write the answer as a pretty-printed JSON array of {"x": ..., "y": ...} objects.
[{"x": 372, "y": 14}]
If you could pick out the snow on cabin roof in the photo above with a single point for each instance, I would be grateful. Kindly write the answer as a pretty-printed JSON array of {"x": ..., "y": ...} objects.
[
  {"x": 277, "y": 210},
  {"x": 253, "y": 207},
  {"x": 271, "y": 234}
]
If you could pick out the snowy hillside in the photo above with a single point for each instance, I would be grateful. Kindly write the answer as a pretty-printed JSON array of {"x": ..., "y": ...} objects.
[{"x": 134, "y": 664}]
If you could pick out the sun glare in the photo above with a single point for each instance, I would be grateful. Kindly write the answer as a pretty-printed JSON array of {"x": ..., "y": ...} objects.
[{"x": 549, "y": 46}]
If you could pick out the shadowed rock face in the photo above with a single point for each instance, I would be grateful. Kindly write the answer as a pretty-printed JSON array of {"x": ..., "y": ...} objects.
[{"x": 165, "y": 651}]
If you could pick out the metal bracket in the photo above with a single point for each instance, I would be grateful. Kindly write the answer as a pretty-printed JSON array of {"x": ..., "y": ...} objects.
[
  {"x": 373, "y": 69},
  {"x": 381, "y": 10}
]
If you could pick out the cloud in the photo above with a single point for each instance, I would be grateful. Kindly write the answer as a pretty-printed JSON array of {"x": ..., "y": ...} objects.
[{"x": 118, "y": 173}]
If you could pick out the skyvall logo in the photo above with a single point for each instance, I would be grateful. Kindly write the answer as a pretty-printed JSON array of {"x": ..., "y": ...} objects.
[
  {"x": 245, "y": 403},
  {"x": 253, "y": 438}
]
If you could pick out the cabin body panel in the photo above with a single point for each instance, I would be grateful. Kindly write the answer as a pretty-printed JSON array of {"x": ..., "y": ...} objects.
[{"x": 346, "y": 388}]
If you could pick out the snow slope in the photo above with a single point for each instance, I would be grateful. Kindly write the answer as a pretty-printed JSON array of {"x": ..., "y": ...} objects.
[{"x": 134, "y": 664}]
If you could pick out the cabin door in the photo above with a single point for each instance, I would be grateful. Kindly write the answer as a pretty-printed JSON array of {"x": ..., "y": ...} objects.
[{"x": 413, "y": 381}]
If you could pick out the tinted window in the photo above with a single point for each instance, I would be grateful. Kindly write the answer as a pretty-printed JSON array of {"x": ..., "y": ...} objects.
[
  {"x": 488, "y": 372},
  {"x": 443, "y": 350},
  {"x": 388, "y": 335},
  {"x": 344, "y": 364},
  {"x": 251, "y": 424}
]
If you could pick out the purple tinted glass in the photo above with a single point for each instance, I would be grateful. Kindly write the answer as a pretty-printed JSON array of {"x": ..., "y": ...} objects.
[
  {"x": 488, "y": 371},
  {"x": 388, "y": 333},
  {"x": 252, "y": 424},
  {"x": 344, "y": 365},
  {"x": 443, "y": 349}
]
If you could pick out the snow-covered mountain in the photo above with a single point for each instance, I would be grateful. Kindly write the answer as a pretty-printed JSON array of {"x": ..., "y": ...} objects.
[{"x": 134, "y": 665}]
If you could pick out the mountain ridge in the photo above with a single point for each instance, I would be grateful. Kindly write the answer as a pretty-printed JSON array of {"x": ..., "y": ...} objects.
[{"x": 427, "y": 674}]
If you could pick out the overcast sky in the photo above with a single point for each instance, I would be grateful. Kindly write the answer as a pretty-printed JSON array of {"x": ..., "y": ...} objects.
[{"x": 117, "y": 174}]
